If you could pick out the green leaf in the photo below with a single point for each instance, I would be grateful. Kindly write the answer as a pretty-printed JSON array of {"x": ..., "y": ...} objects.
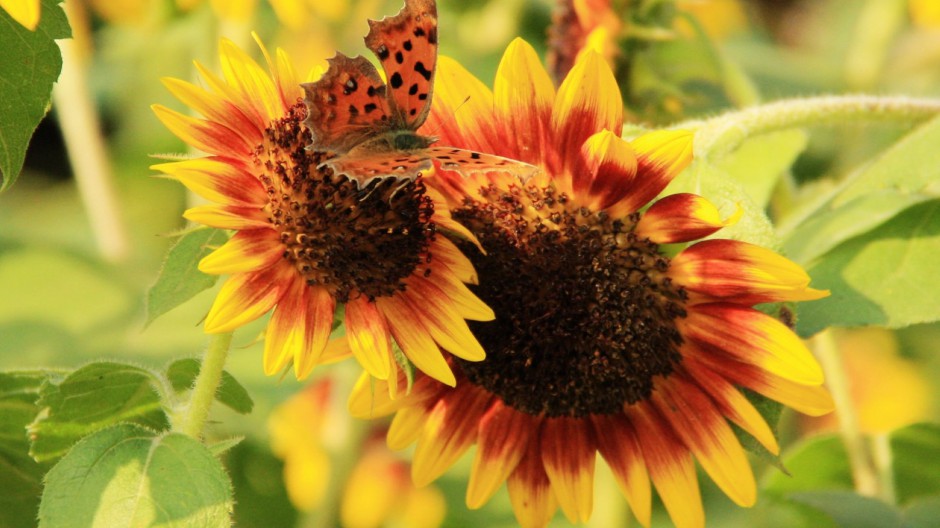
[
  {"x": 719, "y": 187},
  {"x": 886, "y": 277},
  {"x": 909, "y": 166},
  {"x": 923, "y": 513},
  {"x": 20, "y": 475},
  {"x": 827, "y": 229},
  {"x": 29, "y": 64},
  {"x": 916, "y": 461},
  {"x": 91, "y": 398},
  {"x": 760, "y": 161},
  {"x": 182, "y": 373},
  {"x": 180, "y": 279},
  {"x": 224, "y": 446},
  {"x": 817, "y": 463},
  {"x": 770, "y": 411},
  {"x": 258, "y": 478},
  {"x": 851, "y": 510},
  {"x": 126, "y": 475}
]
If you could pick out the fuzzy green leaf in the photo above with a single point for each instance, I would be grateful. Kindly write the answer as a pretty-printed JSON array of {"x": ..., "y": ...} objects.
[
  {"x": 923, "y": 513},
  {"x": 92, "y": 398},
  {"x": 760, "y": 161},
  {"x": 180, "y": 279},
  {"x": 20, "y": 475},
  {"x": 182, "y": 373},
  {"x": 817, "y": 463},
  {"x": 886, "y": 277},
  {"x": 29, "y": 64},
  {"x": 126, "y": 475}
]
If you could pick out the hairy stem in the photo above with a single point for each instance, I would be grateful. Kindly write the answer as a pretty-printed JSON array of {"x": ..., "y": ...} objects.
[{"x": 194, "y": 414}]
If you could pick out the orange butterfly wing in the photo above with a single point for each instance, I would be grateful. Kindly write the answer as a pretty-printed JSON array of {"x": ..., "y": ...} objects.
[
  {"x": 406, "y": 45},
  {"x": 470, "y": 163},
  {"x": 347, "y": 106}
]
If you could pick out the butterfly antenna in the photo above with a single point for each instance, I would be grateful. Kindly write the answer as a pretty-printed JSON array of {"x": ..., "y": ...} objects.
[{"x": 442, "y": 123}]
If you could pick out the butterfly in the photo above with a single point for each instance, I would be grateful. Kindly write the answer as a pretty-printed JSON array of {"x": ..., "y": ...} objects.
[{"x": 370, "y": 125}]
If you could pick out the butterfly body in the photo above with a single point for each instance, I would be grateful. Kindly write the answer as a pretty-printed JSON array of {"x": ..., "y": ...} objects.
[{"x": 371, "y": 126}]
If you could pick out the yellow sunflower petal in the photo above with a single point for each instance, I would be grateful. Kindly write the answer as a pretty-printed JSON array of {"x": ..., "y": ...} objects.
[
  {"x": 215, "y": 109},
  {"x": 246, "y": 297},
  {"x": 752, "y": 337},
  {"x": 415, "y": 340},
  {"x": 530, "y": 491},
  {"x": 228, "y": 217},
  {"x": 523, "y": 95},
  {"x": 250, "y": 80},
  {"x": 442, "y": 321},
  {"x": 617, "y": 443},
  {"x": 503, "y": 437},
  {"x": 611, "y": 169},
  {"x": 316, "y": 329},
  {"x": 217, "y": 181},
  {"x": 670, "y": 466},
  {"x": 26, "y": 12},
  {"x": 707, "y": 434},
  {"x": 367, "y": 333},
  {"x": 661, "y": 156},
  {"x": 247, "y": 250},
  {"x": 207, "y": 136},
  {"x": 285, "y": 330},
  {"x": 450, "y": 429},
  {"x": 369, "y": 398},
  {"x": 741, "y": 272},
  {"x": 682, "y": 217},
  {"x": 469, "y": 305},
  {"x": 406, "y": 427},
  {"x": 460, "y": 104},
  {"x": 568, "y": 454},
  {"x": 588, "y": 101}
]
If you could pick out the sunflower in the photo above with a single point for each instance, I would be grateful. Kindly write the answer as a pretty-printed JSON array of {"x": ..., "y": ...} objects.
[
  {"x": 603, "y": 342},
  {"x": 307, "y": 241}
]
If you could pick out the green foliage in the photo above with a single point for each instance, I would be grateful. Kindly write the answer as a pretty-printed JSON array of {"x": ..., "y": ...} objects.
[
  {"x": 92, "y": 398},
  {"x": 759, "y": 162},
  {"x": 885, "y": 277},
  {"x": 850, "y": 510},
  {"x": 260, "y": 497},
  {"x": 29, "y": 64},
  {"x": 818, "y": 463},
  {"x": 914, "y": 459},
  {"x": 180, "y": 279},
  {"x": 127, "y": 475},
  {"x": 182, "y": 373},
  {"x": 923, "y": 513},
  {"x": 20, "y": 475}
]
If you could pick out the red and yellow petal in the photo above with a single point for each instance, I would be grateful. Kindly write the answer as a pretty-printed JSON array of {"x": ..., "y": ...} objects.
[
  {"x": 247, "y": 250},
  {"x": 670, "y": 466},
  {"x": 207, "y": 136},
  {"x": 617, "y": 443},
  {"x": 285, "y": 329},
  {"x": 460, "y": 99},
  {"x": 451, "y": 428},
  {"x": 217, "y": 180},
  {"x": 568, "y": 453},
  {"x": 406, "y": 426},
  {"x": 415, "y": 340},
  {"x": 442, "y": 321},
  {"x": 215, "y": 109},
  {"x": 469, "y": 305},
  {"x": 504, "y": 435},
  {"x": 705, "y": 432},
  {"x": 530, "y": 491},
  {"x": 368, "y": 336},
  {"x": 682, "y": 217},
  {"x": 740, "y": 272},
  {"x": 661, "y": 156},
  {"x": 587, "y": 102},
  {"x": 611, "y": 167},
  {"x": 523, "y": 94},
  {"x": 246, "y": 297},
  {"x": 317, "y": 325},
  {"x": 252, "y": 83},
  {"x": 752, "y": 337},
  {"x": 228, "y": 217}
]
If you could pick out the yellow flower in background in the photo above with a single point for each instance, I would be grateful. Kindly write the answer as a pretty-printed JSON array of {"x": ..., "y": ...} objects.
[
  {"x": 580, "y": 25},
  {"x": 719, "y": 18},
  {"x": 308, "y": 430},
  {"x": 26, "y": 12},
  {"x": 887, "y": 391},
  {"x": 297, "y": 14},
  {"x": 307, "y": 241},
  {"x": 925, "y": 13},
  {"x": 602, "y": 342}
]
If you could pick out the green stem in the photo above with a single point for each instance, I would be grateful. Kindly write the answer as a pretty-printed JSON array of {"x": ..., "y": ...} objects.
[
  {"x": 195, "y": 413},
  {"x": 719, "y": 136},
  {"x": 88, "y": 155},
  {"x": 884, "y": 462},
  {"x": 864, "y": 473}
]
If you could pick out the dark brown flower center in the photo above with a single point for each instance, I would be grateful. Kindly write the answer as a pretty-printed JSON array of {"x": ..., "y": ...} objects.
[
  {"x": 352, "y": 241},
  {"x": 585, "y": 316}
]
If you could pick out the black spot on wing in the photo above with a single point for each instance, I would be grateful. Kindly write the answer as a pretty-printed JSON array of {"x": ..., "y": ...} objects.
[
  {"x": 413, "y": 89},
  {"x": 422, "y": 97},
  {"x": 424, "y": 72},
  {"x": 395, "y": 81},
  {"x": 382, "y": 52},
  {"x": 475, "y": 155},
  {"x": 350, "y": 86},
  {"x": 432, "y": 35},
  {"x": 419, "y": 32},
  {"x": 369, "y": 107},
  {"x": 399, "y": 57},
  {"x": 407, "y": 45}
]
